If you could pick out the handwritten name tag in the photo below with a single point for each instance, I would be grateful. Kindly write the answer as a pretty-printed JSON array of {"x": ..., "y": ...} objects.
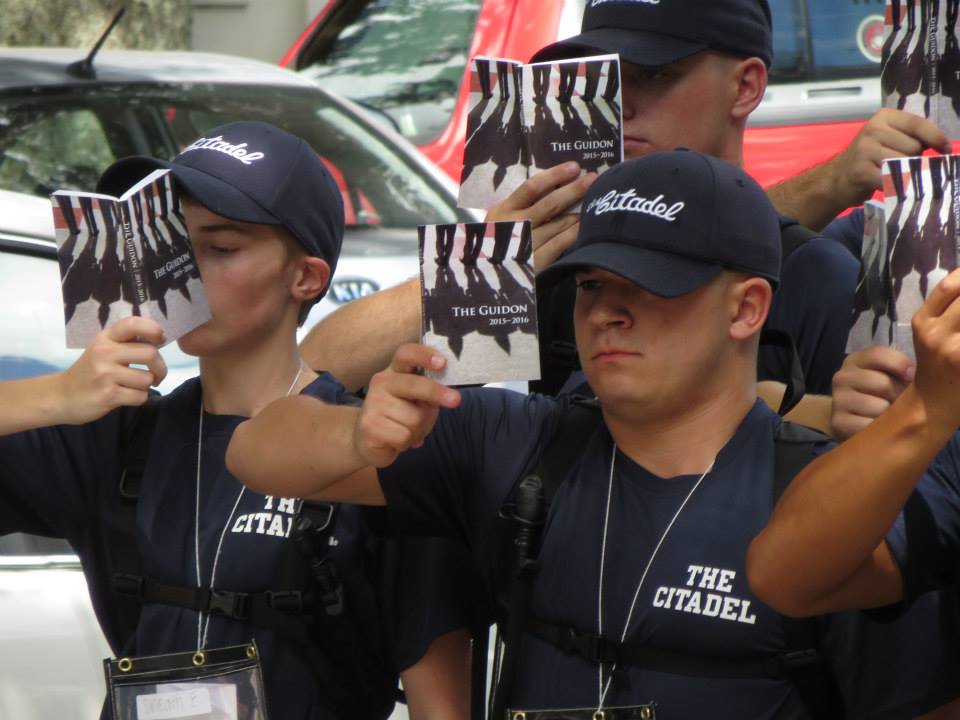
[{"x": 174, "y": 705}]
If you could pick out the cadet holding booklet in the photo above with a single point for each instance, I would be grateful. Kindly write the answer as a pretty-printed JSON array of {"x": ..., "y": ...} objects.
[
  {"x": 216, "y": 599},
  {"x": 637, "y": 605}
]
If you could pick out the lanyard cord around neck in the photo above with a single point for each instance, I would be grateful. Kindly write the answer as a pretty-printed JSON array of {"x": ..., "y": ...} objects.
[
  {"x": 604, "y": 688},
  {"x": 203, "y": 622}
]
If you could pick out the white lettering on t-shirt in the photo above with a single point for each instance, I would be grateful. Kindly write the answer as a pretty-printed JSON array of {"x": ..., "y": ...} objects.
[{"x": 692, "y": 599}]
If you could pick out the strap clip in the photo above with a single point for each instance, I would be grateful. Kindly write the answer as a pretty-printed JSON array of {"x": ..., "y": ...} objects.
[{"x": 228, "y": 603}]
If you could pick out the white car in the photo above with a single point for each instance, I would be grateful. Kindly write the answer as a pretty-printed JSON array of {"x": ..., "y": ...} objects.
[{"x": 60, "y": 130}]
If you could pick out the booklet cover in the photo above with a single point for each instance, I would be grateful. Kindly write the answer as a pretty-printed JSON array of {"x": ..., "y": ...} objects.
[
  {"x": 126, "y": 256},
  {"x": 527, "y": 118},
  {"x": 920, "y": 70},
  {"x": 479, "y": 302},
  {"x": 908, "y": 254},
  {"x": 874, "y": 318}
]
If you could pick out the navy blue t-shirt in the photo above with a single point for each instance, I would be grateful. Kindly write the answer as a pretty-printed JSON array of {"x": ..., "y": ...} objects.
[
  {"x": 813, "y": 306},
  {"x": 848, "y": 231},
  {"x": 62, "y": 481},
  {"x": 695, "y": 597},
  {"x": 925, "y": 540}
]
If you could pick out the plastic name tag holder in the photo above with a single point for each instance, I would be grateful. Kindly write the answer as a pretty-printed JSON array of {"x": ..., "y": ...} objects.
[
  {"x": 628, "y": 712},
  {"x": 216, "y": 684}
]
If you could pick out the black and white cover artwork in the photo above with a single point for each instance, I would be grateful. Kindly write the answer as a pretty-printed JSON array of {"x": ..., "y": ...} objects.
[
  {"x": 874, "y": 314},
  {"x": 921, "y": 61},
  {"x": 921, "y": 207},
  {"x": 527, "y": 118},
  {"x": 479, "y": 303},
  {"x": 126, "y": 256}
]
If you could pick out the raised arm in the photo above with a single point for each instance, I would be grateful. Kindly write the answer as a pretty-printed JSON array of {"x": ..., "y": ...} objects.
[
  {"x": 100, "y": 380},
  {"x": 817, "y": 196},
  {"x": 302, "y": 447},
  {"x": 359, "y": 338},
  {"x": 823, "y": 548}
]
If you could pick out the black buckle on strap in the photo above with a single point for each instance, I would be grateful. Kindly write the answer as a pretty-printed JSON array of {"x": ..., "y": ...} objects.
[
  {"x": 230, "y": 604},
  {"x": 595, "y": 648},
  {"x": 798, "y": 659},
  {"x": 285, "y": 601},
  {"x": 125, "y": 584}
]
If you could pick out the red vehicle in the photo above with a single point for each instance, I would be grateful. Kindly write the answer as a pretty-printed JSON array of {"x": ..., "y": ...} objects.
[{"x": 407, "y": 61}]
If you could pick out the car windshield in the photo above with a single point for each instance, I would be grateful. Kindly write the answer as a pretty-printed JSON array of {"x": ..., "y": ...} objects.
[
  {"x": 64, "y": 138},
  {"x": 403, "y": 57}
]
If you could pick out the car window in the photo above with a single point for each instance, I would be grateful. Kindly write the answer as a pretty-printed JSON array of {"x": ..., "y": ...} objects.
[
  {"x": 380, "y": 184},
  {"x": 826, "y": 39},
  {"x": 60, "y": 148},
  {"x": 405, "y": 58}
]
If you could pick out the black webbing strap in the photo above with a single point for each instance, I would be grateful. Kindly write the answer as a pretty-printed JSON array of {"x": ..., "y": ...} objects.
[
  {"x": 257, "y": 608},
  {"x": 796, "y": 386},
  {"x": 122, "y": 523},
  {"x": 793, "y": 236},
  {"x": 597, "y": 649},
  {"x": 794, "y": 447},
  {"x": 283, "y": 612},
  {"x": 574, "y": 429}
]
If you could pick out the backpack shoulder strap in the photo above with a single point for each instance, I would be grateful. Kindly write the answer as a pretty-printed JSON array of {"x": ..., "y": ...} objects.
[
  {"x": 793, "y": 236},
  {"x": 794, "y": 446},
  {"x": 518, "y": 532},
  {"x": 122, "y": 523}
]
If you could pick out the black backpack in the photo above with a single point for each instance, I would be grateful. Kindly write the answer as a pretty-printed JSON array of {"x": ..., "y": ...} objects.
[
  {"x": 313, "y": 621},
  {"x": 517, "y": 538}
]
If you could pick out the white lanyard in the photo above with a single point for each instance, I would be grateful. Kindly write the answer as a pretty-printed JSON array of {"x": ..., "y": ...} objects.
[
  {"x": 603, "y": 689},
  {"x": 203, "y": 623}
]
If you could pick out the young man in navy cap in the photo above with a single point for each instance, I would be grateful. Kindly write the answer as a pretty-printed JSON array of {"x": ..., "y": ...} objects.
[
  {"x": 641, "y": 561},
  {"x": 266, "y": 223},
  {"x": 692, "y": 74}
]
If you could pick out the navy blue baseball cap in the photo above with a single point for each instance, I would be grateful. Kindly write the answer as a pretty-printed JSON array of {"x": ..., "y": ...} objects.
[
  {"x": 256, "y": 173},
  {"x": 658, "y": 32},
  {"x": 672, "y": 221}
]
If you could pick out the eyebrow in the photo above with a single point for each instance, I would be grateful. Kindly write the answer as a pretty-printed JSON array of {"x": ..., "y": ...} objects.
[{"x": 241, "y": 228}]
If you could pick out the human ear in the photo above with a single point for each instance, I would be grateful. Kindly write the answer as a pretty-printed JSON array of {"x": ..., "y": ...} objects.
[
  {"x": 751, "y": 84},
  {"x": 311, "y": 279},
  {"x": 750, "y": 303}
]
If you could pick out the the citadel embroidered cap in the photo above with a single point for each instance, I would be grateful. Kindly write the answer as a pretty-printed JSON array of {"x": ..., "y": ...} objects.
[
  {"x": 658, "y": 32},
  {"x": 671, "y": 221},
  {"x": 256, "y": 173}
]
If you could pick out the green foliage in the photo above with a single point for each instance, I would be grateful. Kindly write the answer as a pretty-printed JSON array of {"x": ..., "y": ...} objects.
[{"x": 148, "y": 24}]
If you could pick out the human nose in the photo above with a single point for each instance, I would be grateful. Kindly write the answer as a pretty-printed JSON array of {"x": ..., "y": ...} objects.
[{"x": 609, "y": 309}]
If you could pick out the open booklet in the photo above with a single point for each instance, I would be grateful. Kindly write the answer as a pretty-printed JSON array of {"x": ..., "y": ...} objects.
[
  {"x": 479, "y": 302},
  {"x": 920, "y": 70},
  {"x": 527, "y": 118},
  {"x": 126, "y": 256},
  {"x": 910, "y": 243}
]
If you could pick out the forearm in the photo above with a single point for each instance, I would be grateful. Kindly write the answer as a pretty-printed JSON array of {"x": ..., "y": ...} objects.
[
  {"x": 32, "y": 403},
  {"x": 837, "y": 510},
  {"x": 295, "y": 447},
  {"x": 438, "y": 685},
  {"x": 358, "y": 339},
  {"x": 813, "y": 198}
]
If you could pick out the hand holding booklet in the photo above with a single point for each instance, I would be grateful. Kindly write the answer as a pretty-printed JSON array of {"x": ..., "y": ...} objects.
[
  {"x": 126, "y": 256},
  {"x": 527, "y": 118},
  {"x": 479, "y": 302}
]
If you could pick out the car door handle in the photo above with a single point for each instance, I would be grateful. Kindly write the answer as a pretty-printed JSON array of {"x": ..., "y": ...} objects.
[{"x": 832, "y": 92}]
